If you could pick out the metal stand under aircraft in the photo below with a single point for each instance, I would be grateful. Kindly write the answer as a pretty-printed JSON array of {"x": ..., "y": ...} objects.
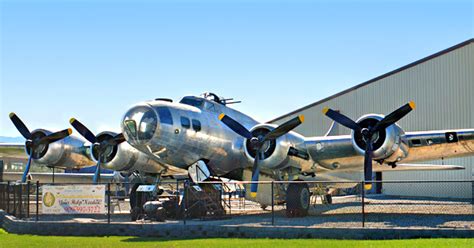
[{"x": 156, "y": 202}]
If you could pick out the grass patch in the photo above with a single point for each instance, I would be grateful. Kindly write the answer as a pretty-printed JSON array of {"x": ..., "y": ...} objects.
[{"x": 15, "y": 240}]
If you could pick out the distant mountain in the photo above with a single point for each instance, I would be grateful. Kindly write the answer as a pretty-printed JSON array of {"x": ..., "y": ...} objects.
[{"x": 4, "y": 139}]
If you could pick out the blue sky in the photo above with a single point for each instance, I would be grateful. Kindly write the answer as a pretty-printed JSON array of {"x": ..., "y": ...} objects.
[{"x": 94, "y": 59}]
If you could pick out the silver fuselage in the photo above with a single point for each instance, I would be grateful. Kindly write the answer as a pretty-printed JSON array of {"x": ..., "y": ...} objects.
[{"x": 162, "y": 135}]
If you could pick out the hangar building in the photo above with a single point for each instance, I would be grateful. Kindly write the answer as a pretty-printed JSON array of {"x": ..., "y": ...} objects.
[{"x": 442, "y": 86}]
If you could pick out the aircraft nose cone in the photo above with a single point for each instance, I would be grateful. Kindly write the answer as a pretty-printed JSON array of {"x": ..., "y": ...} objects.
[{"x": 139, "y": 124}]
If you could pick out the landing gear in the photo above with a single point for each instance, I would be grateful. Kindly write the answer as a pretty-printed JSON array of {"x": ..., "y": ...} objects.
[
  {"x": 329, "y": 198},
  {"x": 137, "y": 200},
  {"x": 297, "y": 200}
]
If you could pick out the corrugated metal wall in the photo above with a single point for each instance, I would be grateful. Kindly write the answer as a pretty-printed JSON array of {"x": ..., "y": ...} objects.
[{"x": 443, "y": 89}]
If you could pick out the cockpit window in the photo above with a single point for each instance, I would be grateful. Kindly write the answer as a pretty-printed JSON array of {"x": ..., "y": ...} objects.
[
  {"x": 192, "y": 101},
  {"x": 147, "y": 125},
  {"x": 165, "y": 115},
  {"x": 131, "y": 126},
  {"x": 140, "y": 123}
]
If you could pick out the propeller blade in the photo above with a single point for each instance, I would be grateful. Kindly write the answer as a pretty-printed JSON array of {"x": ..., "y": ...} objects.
[
  {"x": 235, "y": 126},
  {"x": 119, "y": 138},
  {"x": 341, "y": 119},
  {"x": 96, "y": 177},
  {"x": 55, "y": 136},
  {"x": 255, "y": 175},
  {"x": 20, "y": 126},
  {"x": 368, "y": 165},
  {"x": 86, "y": 133},
  {"x": 284, "y": 128},
  {"x": 394, "y": 117},
  {"x": 27, "y": 168}
]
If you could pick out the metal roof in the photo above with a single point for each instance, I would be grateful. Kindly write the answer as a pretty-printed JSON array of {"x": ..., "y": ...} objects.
[{"x": 467, "y": 42}]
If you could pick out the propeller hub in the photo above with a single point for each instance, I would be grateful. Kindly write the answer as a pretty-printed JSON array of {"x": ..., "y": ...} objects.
[
  {"x": 101, "y": 148},
  {"x": 365, "y": 134},
  {"x": 255, "y": 143},
  {"x": 39, "y": 150}
]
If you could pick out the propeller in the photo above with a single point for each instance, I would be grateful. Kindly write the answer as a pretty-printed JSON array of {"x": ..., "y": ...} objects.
[
  {"x": 33, "y": 142},
  {"x": 368, "y": 133},
  {"x": 100, "y": 146},
  {"x": 257, "y": 142}
]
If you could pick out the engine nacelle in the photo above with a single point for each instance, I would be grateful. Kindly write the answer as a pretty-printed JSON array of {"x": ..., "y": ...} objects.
[
  {"x": 389, "y": 144},
  {"x": 275, "y": 151},
  {"x": 124, "y": 157},
  {"x": 69, "y": 152}
]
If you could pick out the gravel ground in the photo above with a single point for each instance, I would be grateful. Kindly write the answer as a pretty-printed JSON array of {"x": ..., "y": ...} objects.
[{"x": 345, "y": 212}]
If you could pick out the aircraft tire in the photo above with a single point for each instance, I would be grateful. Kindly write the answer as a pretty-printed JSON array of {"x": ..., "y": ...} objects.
[
  {"x": 297, "y": 200},
  {"x": 329, "y": 198},
  {"x": 137, "y": 199},
  {"x": 135, "y": 213},
  {"x": 133, "y": 195}
]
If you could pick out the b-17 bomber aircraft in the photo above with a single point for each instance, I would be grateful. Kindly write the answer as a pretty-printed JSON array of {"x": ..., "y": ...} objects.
[{"x": 162, "y": 137}]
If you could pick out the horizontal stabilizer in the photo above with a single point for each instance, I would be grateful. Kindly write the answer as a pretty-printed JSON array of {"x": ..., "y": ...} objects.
[{"x": 416, "y": 167}]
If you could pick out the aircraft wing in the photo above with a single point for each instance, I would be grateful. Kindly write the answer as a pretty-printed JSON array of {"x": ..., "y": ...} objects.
[
  {"x": 433, "y": 145},
  {"x": 337, "y": 152},
  {"x": 47, "y": 177},
  {"x": 415, "y": 167},
  {"x": 13, "y": 150}
]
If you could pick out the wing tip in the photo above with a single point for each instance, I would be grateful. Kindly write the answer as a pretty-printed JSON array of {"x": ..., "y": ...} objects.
[
  {"x": 11, "y": 114},
  {"x": 72, "y": 120},
  {"x": 412, "y": 104}
]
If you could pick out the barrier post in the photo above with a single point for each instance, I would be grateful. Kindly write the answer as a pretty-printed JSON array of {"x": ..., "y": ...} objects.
[
  {"x": 273, "y": 212},
  {"x": 230, "y": 196},
  {"x": 2, "y": 194},
  {"x": 14, "y": 199},
  {"x": 185, "y": 198},
  {"x": 20, "y": 201},
  {"x": 37, "y": 200},
  {"x": 108, "y": 203},
  {"x": 8, "y": 197},
  {"x": 363, "y": 204},
  {"x": 28, "y": 199},
  {"x": 4, "y": 199},
  {"x": 177, "y": 199}
]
